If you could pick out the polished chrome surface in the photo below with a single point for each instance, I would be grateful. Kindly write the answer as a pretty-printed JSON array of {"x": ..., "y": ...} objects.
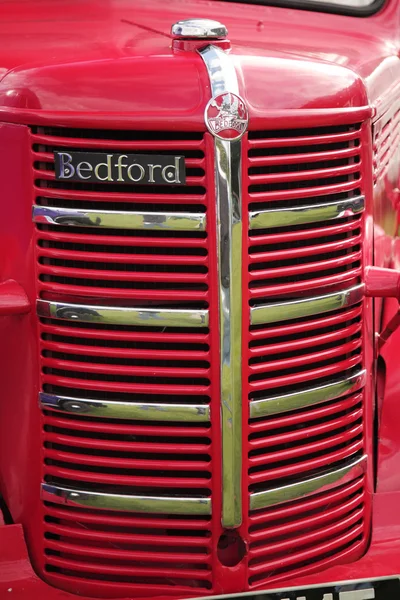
[
  {"x": 223, "y": 78},
  {"x": 296, "y": 309},
  {"x": 132, "y": 503},
  {"x": 114, "y": 409},
  {"x": 120, "y": 219},
  {"x": 310, "y": 486},
  {"x": 300, "y": 215},
  {"x": 110, "y": 315},
  {"x": 314, "y": 395},
  {"x": 221, "y": 71},
  {"x": 199, "y": 28}
]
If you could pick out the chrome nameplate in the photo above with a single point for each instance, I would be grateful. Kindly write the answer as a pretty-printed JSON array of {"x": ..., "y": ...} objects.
[{"x": 102, "y": 167}]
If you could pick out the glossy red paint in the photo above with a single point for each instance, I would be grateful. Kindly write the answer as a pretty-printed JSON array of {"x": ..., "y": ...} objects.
[
  {"x": 91, "y": 65},
  {"x": 13, "y": 300}
]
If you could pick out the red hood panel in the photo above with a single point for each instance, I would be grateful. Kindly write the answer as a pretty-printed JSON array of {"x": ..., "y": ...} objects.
[{"x": 116, "y": 56}]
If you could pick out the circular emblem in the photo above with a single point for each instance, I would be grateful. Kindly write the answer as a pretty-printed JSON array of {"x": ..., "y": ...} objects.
[{"x": 226, "y": 116}]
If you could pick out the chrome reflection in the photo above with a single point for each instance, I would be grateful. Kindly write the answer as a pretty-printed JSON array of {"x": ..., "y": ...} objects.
[
  {"x": 110, "y": 315},
  {"x": 308, "y": 487},
  {"x": 296, "y": 309},
  {"x": 114, "y": 409},
  {"x": 132, "y": 503},
  {"x": 228, "y": 156},
  {"x": 120, "y": 219},
  {"x": 308, "y": 397},
  {"x": 199, "y": 29},
  {"x": 300, "y": 215}
]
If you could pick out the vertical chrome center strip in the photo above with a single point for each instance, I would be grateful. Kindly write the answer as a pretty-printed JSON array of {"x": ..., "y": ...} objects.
[{"x": 229, "y": 247}]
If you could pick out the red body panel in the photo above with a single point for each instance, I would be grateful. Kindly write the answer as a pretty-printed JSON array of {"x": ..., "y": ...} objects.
[{"x": 111, "y": 65}]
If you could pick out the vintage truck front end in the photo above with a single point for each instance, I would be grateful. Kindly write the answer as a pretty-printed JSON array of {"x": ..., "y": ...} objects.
[{"x": 196, "y": 400}]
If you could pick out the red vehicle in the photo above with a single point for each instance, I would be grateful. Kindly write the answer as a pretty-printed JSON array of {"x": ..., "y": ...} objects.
[{"x": 199, "y": 296}]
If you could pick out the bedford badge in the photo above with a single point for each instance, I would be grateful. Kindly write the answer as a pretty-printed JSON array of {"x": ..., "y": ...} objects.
[{"x": 226, "y": 116}]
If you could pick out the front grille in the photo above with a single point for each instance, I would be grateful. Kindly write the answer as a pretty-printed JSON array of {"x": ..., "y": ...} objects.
[
  {"x": 305, "y": 178},
  {"x": 130, "y": 366},
  {"x": 161, "y": 375}
]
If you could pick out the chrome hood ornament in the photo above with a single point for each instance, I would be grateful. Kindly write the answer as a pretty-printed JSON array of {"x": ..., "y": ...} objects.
[{"x": 206, "y": 29}]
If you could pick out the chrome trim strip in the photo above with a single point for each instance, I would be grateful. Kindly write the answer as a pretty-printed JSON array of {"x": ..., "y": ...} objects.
[
  {"x": 299, "y": 215},
  {"x": 120, "y": 219},
  {"x": 308, "y": 487},
  {"x": 135, "y": 503},
  {"x": 308, "y": 397},
  {"x": 114, "y": 409},
  {"x": 110, "y": 315},
  {"x": 228, "y": 156},
  {"x": 307, "y": 307}
]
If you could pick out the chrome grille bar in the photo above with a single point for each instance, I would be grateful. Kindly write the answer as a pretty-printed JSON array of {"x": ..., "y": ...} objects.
[
  {"x": 228, "y": 157},
  {"x": 114, "y": 409},
  {"x": 308, "y": 487},
  {"x": 308, "y": 397},
  {"x": 132, "y": 503},
  {"x": 300, "y": 215},
  {"x": 169, "y": 221},
  {"x": 296, "y": 309},
  {"x": 107, "y": 315}
]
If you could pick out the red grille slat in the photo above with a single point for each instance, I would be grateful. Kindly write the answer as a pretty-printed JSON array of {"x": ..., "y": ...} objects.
[
  {"x": 123, "y": 480},
  {"x": 304, "y": 175},
  {"x": 81, "y": 517},
  {"x": 303, "y": 286},
  {"x": 102, "y": 274},
  {"x": 309, "y": 375},
  {"x": 311, "y": 414},
  {"x": 45, "y": 193},
  {"x": 81, "y": 236},
  {"x": 311, "y": 341},
  {"x": 309, "y": 267},
  {"x": 128, "y": 463},
  {"x": 304, "y": 192},
  {"x": 304, "y": 555},
  {"x": 126, "y": 554},
  {"x": 94, "y": 291},
  {"x": 63, "y": 329},
  {"x": 305, "y": 432},
  {"x": 304, "y": 234},
  {"x": 299, "y": 361},
  {"x": 135, "y": 388},
  {"x": 138, "y": 259},
  {"x": 123, "y": 370},
  {"x": 299, "y": 450},
  {"x": 305, "y": 466},
  {"x": 297, "y": 328},
  {"x": 289, "y": 159},
  {"x": 303, "y": 140},
  {"x": 107, "y": 569},
  {"x": 313, "y": 536},
  {"x": 316, "y": 518},
  {"x": 293, "y": 253},
  {"x": 126, "y": 446},
  {"x": 140, "y": 144},
  {"x": 114, "y": 426},
  {"x": 87, "y": 349},
  {"x": 127, "y": 537}
]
